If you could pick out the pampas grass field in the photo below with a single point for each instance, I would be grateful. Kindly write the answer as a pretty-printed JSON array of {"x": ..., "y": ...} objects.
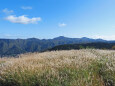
[{"x": 85, "y": 67}]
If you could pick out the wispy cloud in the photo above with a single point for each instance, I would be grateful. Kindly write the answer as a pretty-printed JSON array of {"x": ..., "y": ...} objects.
[
  {"x": 23, "y": 19},
  {"x": 62, "y": 24},
  {"x": 106, "y": 37},
  {"x": 26, "y": 7},
  {"x": 7, "y": 11}
]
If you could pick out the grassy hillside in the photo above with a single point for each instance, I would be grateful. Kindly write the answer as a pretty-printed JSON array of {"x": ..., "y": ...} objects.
[{"x": 86, "y": 67}]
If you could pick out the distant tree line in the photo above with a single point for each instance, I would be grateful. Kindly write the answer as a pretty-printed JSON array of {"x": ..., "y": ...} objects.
[{"x": 98, "y": 45}]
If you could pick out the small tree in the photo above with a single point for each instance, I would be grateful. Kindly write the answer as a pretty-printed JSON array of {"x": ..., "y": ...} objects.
[
  {"x": 113, "y": 47},
  {"x": 90, "y": 47},
  {"x": 81, "y": 47}
]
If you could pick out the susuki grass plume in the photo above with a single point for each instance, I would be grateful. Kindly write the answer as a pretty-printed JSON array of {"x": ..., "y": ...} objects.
[{"x": 86, "y": 67}]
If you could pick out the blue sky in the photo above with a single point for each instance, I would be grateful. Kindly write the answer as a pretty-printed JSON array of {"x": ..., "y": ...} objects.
[{"x": 52, "y": 18}]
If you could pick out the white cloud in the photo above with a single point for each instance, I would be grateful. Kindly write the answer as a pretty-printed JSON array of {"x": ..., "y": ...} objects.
[
  {"x": 62, "y": 25},
  {"x": 7, "y": 11},
  {"x": 23, "y": 19},
  {"x": 109, "y": 37},
  {"x": 26, "y": 7}
]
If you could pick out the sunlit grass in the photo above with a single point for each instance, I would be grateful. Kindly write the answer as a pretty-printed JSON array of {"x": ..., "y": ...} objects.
[{"x": 86, "y": 67}]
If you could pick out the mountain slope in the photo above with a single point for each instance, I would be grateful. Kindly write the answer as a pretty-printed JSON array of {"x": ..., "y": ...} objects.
[
  {"x": 96, "y": 45},
  {"x": 17, "y": 46}
]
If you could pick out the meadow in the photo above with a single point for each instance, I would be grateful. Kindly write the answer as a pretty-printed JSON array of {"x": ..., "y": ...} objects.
[{"x": 85, "y": 67}]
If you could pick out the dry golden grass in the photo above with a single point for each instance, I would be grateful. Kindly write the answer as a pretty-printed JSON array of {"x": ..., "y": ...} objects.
[{"x": 86, "y": 67}]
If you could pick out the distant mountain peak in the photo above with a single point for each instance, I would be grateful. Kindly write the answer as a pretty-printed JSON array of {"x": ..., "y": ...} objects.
[
  {"x": 85, "y": 38},
  {"x": 33, "y": 39},
  {"x": 60, "y": 37}
]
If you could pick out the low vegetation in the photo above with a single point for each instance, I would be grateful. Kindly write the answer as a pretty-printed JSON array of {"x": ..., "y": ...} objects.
[{"x": 85, "y": 67}]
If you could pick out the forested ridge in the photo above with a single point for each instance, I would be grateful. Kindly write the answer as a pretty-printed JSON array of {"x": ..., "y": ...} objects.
[
  {"x": 12, "y": 47},
  {"x": 96, "y": 45}
]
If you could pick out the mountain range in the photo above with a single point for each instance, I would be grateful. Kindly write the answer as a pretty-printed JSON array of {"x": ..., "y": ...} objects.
[{"x": 12, "y": 47}]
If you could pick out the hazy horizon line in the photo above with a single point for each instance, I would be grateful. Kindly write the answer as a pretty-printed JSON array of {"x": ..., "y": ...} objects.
[{"x": 56, "y": 37}]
